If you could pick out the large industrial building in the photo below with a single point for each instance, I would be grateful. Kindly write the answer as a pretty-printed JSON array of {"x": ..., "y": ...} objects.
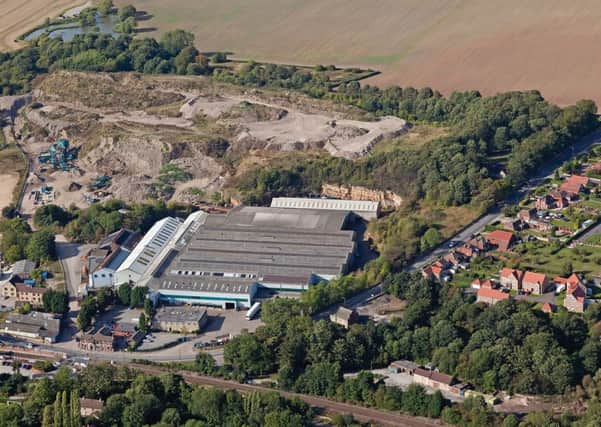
[{"x": 224, "y": 259}]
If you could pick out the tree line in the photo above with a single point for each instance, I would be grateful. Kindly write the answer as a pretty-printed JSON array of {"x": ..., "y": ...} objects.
[{"x": 132, "y": 399}]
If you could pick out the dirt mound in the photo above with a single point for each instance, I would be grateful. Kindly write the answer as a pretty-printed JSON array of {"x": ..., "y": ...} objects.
[
  {"x": 250, "y": 112},
  {"x": 115, "y": 92}
]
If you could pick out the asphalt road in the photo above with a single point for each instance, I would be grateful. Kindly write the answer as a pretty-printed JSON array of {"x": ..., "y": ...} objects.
[
  {"x": 545, "y": 171},
  {"x": 361, "y": 413},
  {"x": 69, "y": 255}
]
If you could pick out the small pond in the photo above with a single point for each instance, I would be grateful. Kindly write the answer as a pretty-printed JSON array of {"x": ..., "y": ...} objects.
[{"x": 104, "y": 24}]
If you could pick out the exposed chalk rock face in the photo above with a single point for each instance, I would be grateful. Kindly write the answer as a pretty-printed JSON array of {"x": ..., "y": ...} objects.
[{"x": 387, "y": 199}]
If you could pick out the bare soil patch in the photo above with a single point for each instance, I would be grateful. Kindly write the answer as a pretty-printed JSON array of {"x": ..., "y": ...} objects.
[
  {"x": 9, "y": 183},
  {"x": 176, "y": 138}
]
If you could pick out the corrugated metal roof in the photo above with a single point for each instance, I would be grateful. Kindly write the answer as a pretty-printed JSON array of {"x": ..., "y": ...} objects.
[{"x": 325, "y": 204}]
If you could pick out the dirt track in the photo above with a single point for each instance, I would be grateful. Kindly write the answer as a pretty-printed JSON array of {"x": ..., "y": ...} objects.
[
  {"x": 383, "y": 418},
  {"x": 18, "y": 16}
]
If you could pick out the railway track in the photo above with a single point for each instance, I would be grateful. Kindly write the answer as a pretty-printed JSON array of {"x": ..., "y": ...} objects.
[{"x": 384, "y": 418}]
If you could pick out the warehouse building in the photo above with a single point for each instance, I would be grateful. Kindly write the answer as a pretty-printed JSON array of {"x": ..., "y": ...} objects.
[
  {"x": 147, "y": 250},
  {"x": 225, "y": 259},
  {"x": 365, "y": 209}
]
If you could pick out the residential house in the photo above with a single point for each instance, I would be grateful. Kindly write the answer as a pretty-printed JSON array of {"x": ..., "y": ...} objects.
[
  {"x": 491, "y": 296},
  {"x": 575, "y": 299},
  {"x": 511, "y": 278},
  {"x": 501, "y": 239},
  {"x": 574, "y": 185},
  {"x": 434, "y": 271},
  {"x": 480, "y": 284},
  {"x": 344, "y": 317},
  {"x": 23, "y": 293},
  {"x": 554, "y": 200},
  {"x": 453, "y": 258},
  {"x": 562, "y": 200},
  {"x": 479, "y": 243},
  {"x": 90, "y": 407},
  {"x": 467, "y": 251},
  {"x": 527, "y": 215},
  {"x": 535, "y": 283},
  {"x": 511, "y": 224}
]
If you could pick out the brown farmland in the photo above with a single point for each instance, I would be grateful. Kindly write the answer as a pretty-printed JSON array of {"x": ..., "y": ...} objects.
[
  {"x": 549, "y": 45},
  {"x": 18, "y": 16}
]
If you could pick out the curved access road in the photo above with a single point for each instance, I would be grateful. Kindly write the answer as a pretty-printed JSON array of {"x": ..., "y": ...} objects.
[{"x": 384, "y": 418}]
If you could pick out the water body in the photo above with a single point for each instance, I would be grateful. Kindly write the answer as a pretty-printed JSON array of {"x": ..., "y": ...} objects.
[{"x": 104, "y": 24}]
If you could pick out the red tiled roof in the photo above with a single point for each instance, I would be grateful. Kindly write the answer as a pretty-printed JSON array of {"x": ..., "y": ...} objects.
[
  {"x": 578, "y": 179},
  {"x": 532, "y": 277},
  {"x": 466, "y": 251},
  {"x": 507, "y": 273},
  {"x": 493, "y": 294},
  {"x": 500, "y": 235},
  {"x": 576, "y": 290},
  {"x": 500, "y": 238}
]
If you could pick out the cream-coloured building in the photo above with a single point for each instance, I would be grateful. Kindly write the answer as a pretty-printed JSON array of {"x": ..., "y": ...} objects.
[
  {"x": 183, "y": 318},
  {"x": 24, "y": 293}
]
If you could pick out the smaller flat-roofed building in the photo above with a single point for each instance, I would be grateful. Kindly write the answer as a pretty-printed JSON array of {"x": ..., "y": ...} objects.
[
  {"x": 183, "y": 318},
  {"x": 212, "y": 291},
  {"x": 34, "y": 325},
  {"x": 433, "y": 379},
  {"x": 344, "y": 317},
  {"x": 23, "y": 268},
  {"x": 403, "y": 367},
  {"x": 365, "y": 209}
]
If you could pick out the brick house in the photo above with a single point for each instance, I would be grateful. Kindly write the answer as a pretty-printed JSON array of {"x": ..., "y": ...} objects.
[
  {"x": 482, "y": 284},
  {"x": 511, "y": 278},
  {"x": 535, "y": 283},
  {"x": 23, "y": 293},
  {"x": 501, "y": 239},
  {"x": 574, "y": 185},
  {"x": 527, "y": 215},
  {"x": 491, "y": 296},
  {"x": 575, "y": 299},
  {"x": 101, "y": 340}
]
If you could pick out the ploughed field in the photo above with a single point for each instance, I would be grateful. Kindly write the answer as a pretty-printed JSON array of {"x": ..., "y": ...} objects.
[{"x": 492, "y": 46}]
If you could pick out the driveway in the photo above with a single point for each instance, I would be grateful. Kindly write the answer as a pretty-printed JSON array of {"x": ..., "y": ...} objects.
[{"x": 69, "y": 255}]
